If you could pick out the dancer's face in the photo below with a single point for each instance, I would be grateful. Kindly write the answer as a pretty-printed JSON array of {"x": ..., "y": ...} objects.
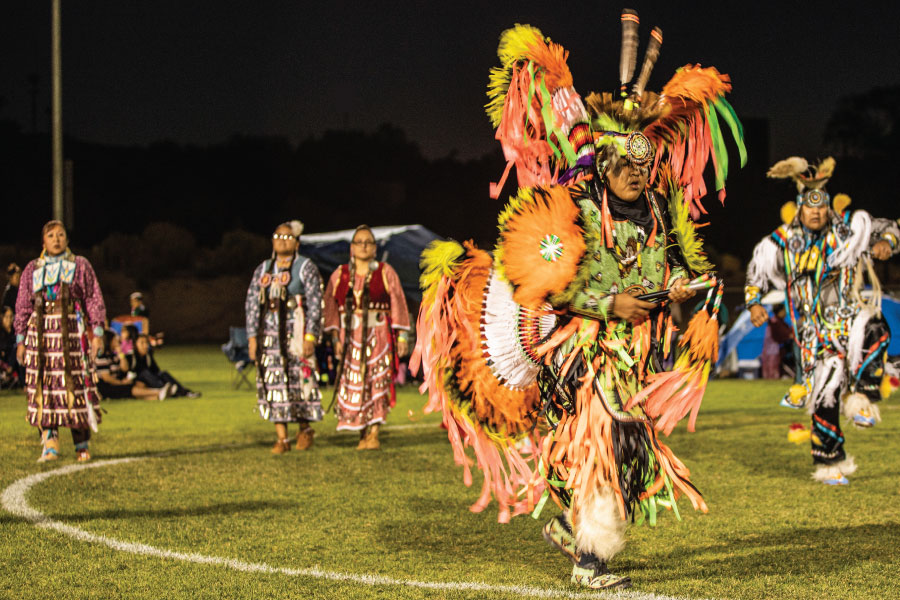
[
  {"x": 55, "y": 241},
  {"x": 283, "y": 241},
  {"x": 626, "y": 180},
  {"x": 814, "y": 217},
  {"x": 363, "y": 245}
]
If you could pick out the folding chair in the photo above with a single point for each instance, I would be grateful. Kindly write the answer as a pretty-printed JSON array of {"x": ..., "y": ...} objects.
[{"x": 237, "y": 351}]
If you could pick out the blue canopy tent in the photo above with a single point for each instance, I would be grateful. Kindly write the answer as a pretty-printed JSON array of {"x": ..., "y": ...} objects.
[
  {"x": 746, "y": 341},
  {"x": 400, "y": 245}
]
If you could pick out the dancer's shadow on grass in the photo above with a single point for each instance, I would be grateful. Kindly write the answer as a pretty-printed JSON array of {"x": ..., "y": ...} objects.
[
  {"x": 163, "y": 453},
  {"x": 220, "y": 509},
  {"x": 811, "y": 551},
  {"x": 390, "y": 439}
]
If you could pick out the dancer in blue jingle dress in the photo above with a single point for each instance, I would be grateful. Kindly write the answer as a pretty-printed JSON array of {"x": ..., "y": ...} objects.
[{"x": 284, "y": 322}]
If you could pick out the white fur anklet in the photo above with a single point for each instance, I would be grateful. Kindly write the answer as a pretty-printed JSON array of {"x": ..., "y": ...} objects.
[{"x": 599, "y": 528}]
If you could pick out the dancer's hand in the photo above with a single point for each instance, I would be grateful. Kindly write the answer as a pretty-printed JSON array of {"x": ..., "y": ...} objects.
[
  {"x": 251, "y": 348},
  {"x": 679, "y": 292},
  {"x": 20, "y": 354},
  {"x": 758, "y": 315},
  {"x": 402, "y": 348},
  {"x": 629, "y": 308},
  {"x": 882, "y": 250}
]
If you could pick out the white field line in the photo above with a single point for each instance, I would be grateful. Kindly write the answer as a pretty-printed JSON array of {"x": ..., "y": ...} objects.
[{"x": 14, "y": 500}]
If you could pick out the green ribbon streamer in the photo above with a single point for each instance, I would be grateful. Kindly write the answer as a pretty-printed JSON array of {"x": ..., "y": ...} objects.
[
  {"x": 561, "y": 137},
  {"x": 536, "y": 514},
  {"x": 554, "y": 482},
  {"x": 718, "y": 146},
  {"x": 737, "y": 130},
  {"x": 668, "y": 483}
]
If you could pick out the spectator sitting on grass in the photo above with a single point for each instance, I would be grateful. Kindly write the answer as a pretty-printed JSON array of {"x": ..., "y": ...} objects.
[
  {"x": 129, "y": 335},
  {"x": 113, "y": 378},
  {"x": 144, "y": 366},
  {"x": 11, "y": 374}
]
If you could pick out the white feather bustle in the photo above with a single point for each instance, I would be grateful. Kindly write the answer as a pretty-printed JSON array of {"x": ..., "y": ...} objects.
[
  {"x": 763, "y": 267},
  {"x": 500, "y": 335},
  {"x": 835, "y": 471},
  {"x": 827, "y": 379},
  {"x": 855, "y": 403},
  {"x": 851, "y": 249},
  {"x": 599, "y": 528},
  {"x": 856, "y": 337}
]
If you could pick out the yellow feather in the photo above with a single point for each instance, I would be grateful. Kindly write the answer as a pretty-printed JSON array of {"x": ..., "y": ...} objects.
[
  {"x": 840, "y": 203},
  {"x": 439, "y": 259},
  {"x": 686, "y": 232},
  {"x": 788, "y": 212}
]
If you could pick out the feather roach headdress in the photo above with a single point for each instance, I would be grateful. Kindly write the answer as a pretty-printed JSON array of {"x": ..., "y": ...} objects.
[
  {"x": 552, "y": 137},
  {"x": 810, "y": 181}
]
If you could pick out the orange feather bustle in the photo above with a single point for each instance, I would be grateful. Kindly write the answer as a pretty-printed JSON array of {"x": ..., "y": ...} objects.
[
  {"x": 551, "y": 212},
  {"x": 503, "y": 408},
  {"x": 449, "y": 340},
  {"x": 551, "y": 57},
  {"x": 696, "y": 83},
  {"x": 684, "y": 131},
  {"x": 522, "y": 134},
  {"x": 521, "y": 130}
]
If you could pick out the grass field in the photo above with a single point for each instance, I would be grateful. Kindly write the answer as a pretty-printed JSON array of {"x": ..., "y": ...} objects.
[{"x": 206, "y": 484}]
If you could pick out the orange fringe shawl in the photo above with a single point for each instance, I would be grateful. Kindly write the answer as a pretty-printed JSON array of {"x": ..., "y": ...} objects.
[{"x": 581, "y": 448}]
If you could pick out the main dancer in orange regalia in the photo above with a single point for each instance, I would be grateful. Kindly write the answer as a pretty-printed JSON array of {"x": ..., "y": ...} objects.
[{"x": 545, "y": 356}]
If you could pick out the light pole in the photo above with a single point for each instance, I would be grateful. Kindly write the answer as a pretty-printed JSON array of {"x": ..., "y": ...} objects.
[{"x": 56, "y": 68}]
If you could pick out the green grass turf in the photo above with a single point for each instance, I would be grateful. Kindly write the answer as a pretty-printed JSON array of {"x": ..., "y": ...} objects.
[{"x": 402, "y": 512}]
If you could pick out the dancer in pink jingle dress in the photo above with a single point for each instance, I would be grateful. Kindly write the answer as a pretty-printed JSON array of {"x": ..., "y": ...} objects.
[
  {"x": 58, "y": 303},
  {"x": 364, "y": 298}
]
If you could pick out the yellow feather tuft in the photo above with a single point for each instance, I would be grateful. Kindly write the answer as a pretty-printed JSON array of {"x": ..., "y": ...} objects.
[
  {"x": 686, "y": 232},
  {"x": 788, "y": 212},
  {"x": 439, "y": 259},
  {"x": 840, "y": 203},
  {"x": 525, "y": 43},
  {"x": 516, "y": 43}
]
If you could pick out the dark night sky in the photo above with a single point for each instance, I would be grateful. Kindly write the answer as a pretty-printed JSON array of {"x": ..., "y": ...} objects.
[{"x": 137, "y": 72}]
